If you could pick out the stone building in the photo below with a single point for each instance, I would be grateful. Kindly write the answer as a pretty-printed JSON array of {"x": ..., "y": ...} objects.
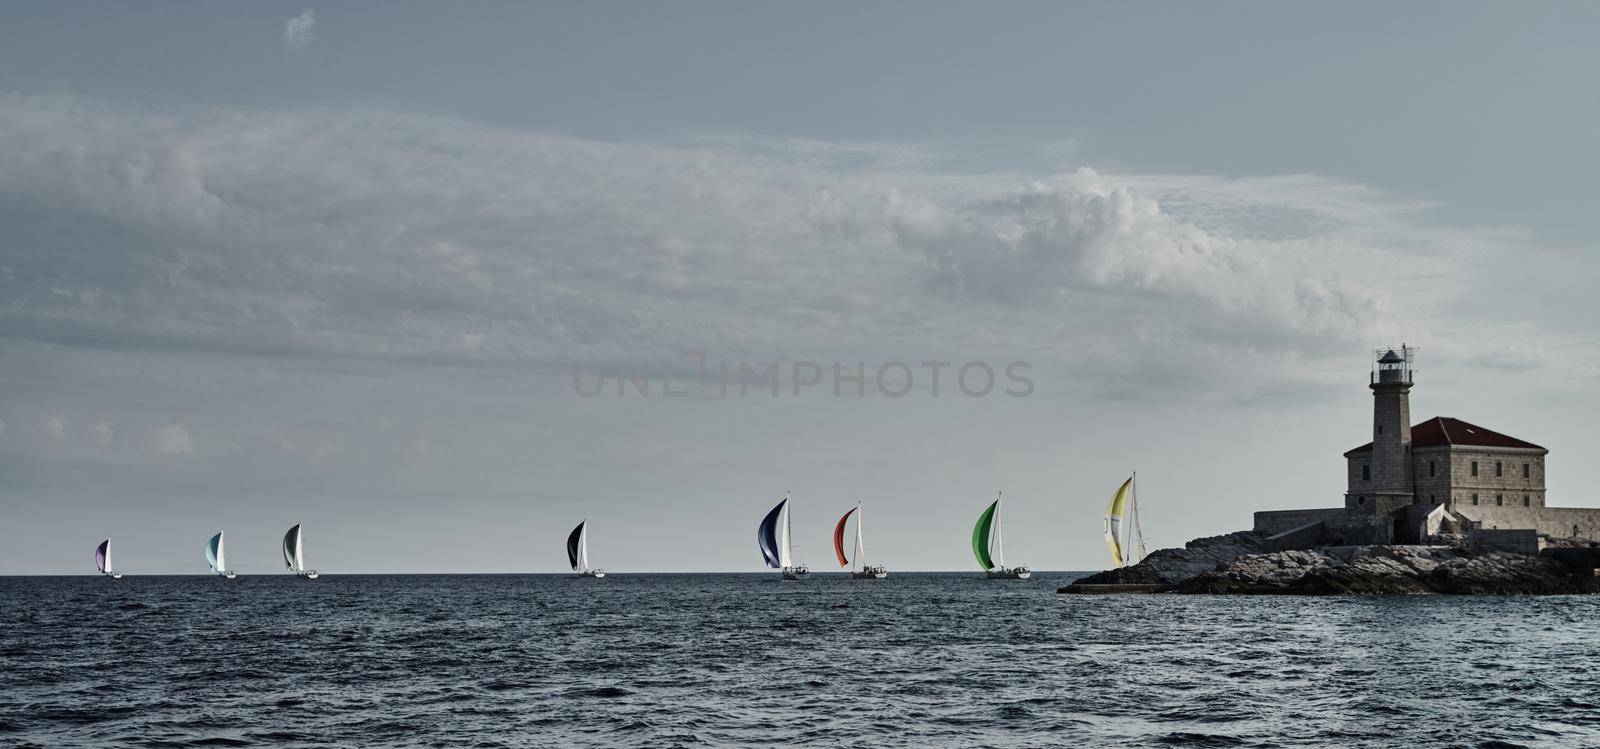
[{"x": 1414, "y": 481}]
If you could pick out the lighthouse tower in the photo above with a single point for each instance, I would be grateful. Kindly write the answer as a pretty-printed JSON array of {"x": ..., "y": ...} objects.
[{"x": 1392, "y": 487}]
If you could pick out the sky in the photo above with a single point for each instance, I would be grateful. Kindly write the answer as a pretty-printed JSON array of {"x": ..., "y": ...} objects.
[{"x": 363, "y": 266}]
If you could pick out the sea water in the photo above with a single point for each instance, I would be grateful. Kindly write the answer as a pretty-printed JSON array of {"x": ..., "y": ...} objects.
[{"x": 748, "y": 660}]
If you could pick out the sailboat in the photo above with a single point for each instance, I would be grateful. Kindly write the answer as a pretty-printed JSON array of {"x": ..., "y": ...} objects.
[
  {"x": 294, "y": 554},
  {"x": 215, "y": 558},
  {"x": 860, "y": 569},
  {"x": 773, "y": 537},
  {"x": 1123, "y": 535},
  {"x": 988, "y": 545},
  {"x": 102, "y": 560},
  {"x": 578, "y": 551}
]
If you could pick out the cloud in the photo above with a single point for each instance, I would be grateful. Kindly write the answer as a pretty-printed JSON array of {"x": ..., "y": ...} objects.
[
  {"x": 299, "y": 32},
  {"x": 56, "y": 428},
  {"x": 1049, "y": 241},
  {"x": 172, "y": 439},
  {"x": 375, "y": 235},
  {"x": 104, "y": 433},
  {"x": 326, "y": 448}
]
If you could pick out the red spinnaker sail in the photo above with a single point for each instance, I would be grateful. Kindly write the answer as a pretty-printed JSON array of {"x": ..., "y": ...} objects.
[{"x": 838, "y": 539}]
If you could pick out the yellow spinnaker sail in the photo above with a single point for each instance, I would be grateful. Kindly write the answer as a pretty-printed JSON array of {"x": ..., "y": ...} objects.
[{"x": 1114, "y": 514}]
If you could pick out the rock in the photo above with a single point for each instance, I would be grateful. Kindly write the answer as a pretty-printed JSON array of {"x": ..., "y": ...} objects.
[
  {"x": 1173, "y": 566},
  {"x": 1390, "y": 570},
  {"x": 1235, "y": 564}
]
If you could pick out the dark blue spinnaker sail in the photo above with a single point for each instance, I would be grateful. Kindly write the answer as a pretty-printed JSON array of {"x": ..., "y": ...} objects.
[{"x": 767, "y": 536}]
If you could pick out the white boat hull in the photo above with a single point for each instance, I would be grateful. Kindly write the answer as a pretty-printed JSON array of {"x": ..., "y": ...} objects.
[
  {"x": 593, "y": 573},
  {"x": 871, "y": 573},
  {"x": 229, "y": 575},
  {"x": 796, "y": 573},
  {"x": 307, "y": 575},
  {"x": 116, "y": 576},
  {"x": 1013, "y": 573}
]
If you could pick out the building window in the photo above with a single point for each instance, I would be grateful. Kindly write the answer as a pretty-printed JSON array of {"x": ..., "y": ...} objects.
[
  {"x": 1474, "y": 499},
  {"x": 1499, "y": 500},
  {"x": 1474, "y": 467},
  {"x": 1431, "y": 467},
  {"x": 1366, "y": 473},
  {"x": 1527, "y": 501},
  {"x": 1361, "y": 500},
  {"x": 1497, "y": 471},
  {"x": 1380, "y": 429},
  {"x": 1524, "y": 470},
  {"x": 1433, "y": 499}
]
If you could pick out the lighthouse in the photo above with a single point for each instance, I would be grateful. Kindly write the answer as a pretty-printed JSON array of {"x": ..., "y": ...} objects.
[{"x": 1390, "y": 485}]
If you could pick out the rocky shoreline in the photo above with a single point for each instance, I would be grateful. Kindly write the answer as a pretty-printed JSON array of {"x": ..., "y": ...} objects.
[{"x": 1237, "y": 563}]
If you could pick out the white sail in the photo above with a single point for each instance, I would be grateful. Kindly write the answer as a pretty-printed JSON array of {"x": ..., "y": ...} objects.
[
  {"x": 999, "y": 535},
  {"x": 785, "y": 554},
  {"x": 861, "y": 547},
  {"x": 1135, "y": 532},
  {"x": 583, "y": 549},
  {"x": 107, "y": 569}
]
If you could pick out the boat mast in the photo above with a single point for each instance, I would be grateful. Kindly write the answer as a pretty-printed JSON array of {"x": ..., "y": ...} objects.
[{"x": 999, "y": 533}]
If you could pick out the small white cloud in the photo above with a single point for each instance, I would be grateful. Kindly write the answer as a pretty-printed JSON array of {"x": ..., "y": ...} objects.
[
  {"x": 326, "y": 448},
  {"x": 173, "y": 439},
  {"x": 105, "y": 433},
  {"x": 57, "y": 427},
  {"x": 299, "y": 31}
]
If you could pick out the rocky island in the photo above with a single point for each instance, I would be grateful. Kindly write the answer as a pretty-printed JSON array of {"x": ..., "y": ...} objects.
[{"x": 1240, "y": 563}]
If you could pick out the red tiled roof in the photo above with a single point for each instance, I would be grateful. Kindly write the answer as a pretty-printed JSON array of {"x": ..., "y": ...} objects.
[{"x": 1443, "y": 430}]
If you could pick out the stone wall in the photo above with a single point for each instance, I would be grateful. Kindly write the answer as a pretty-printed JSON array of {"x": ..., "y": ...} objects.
[
  {"x": 1519, "y": 541},
  {"x": 1353, "y": 481},
  {"x": 1559, "y": 522},
  {"x": 1308, "y": 536},
  {"x": 1503, "y": 488},
  {"x": 1432, "y": 468},
  {"x": 1277, "y": 521},
  {"x": 1359, "y": 529},
  {"x": 1362, "y": 483}
]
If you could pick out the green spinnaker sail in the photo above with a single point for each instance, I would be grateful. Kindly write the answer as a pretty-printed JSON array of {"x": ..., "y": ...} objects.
[{"x": 980, "y": 537}]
